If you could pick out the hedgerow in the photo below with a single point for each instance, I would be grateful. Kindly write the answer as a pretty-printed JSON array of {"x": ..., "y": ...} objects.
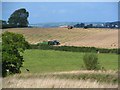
[{"x": 73, "y": 48}]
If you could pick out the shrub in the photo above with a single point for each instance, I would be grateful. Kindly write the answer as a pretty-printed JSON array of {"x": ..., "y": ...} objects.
[{"x": 91, "y": 61}]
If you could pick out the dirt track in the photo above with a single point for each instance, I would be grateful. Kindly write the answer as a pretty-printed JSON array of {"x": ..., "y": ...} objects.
[{"x": 103, "y": 38}]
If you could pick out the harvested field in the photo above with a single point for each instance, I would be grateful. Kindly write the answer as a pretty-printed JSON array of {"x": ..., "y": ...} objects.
[{"x": 92, "y": 37}]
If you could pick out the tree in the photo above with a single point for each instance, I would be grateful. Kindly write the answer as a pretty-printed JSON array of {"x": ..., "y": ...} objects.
[
  {"x": 13, "y": 45},
  {"x": 90, "y": 25},
  {"x": 82, "y": 25},
  {"x": 79, "y": 25},
  {"x": 19, "y": 18}
]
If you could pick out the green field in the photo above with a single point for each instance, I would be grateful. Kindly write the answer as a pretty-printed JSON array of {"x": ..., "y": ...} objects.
[{"x": 39, "y": 61}]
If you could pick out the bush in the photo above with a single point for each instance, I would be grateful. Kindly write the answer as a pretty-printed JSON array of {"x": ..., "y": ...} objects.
[
  {"x": 12, "y": 47},
  {"x": 91, "y": 61}
]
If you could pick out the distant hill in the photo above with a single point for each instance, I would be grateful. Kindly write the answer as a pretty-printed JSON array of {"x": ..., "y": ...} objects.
[
  {"x": 58, "y": 24},
  {"x": 53, "y": 24},
  {"x": 115, "y": 24}
]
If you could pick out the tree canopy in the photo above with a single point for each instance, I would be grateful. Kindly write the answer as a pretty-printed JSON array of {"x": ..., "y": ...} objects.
[
  {"x": 12, "y": 47},
  {"x": 19, "y": 18}
]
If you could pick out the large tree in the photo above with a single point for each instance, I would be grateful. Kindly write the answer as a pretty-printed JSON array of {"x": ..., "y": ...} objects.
[
  {"x": 13, "y": 46},
  {"x": 19, "y": 18}
]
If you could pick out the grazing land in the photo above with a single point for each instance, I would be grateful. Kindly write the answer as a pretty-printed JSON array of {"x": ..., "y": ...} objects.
[
  {"x": 38, "y": 61},
  {"x": 92, "y": 37}
]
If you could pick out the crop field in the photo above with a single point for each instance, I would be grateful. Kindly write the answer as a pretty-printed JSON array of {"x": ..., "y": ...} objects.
[{"x": 92, "y": 37}]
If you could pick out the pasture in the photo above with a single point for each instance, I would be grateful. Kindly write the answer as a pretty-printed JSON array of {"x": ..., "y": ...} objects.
[{"x": 39, "y": 61}]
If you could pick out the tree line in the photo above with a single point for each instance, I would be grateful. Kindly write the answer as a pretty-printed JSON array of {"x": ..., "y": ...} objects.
[{"x": 102, "y": 25}]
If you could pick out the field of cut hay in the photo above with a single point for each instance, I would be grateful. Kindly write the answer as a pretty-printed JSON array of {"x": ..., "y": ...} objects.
[{"x": 92, "y": 37}]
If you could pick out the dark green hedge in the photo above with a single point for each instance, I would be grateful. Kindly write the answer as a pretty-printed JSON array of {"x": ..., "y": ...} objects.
[{"x": 73, "y": 48}]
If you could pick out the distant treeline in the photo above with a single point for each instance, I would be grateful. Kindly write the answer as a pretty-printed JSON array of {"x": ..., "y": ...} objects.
[
  {"x": 102, "y": 25},
  {"x": 73, "y": 48},
  {"x": 4, "y": 25},
  {"x": 19, "y": 18}
]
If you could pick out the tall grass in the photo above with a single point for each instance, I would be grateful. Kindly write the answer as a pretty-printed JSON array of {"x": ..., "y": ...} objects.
[{"x": 55, "y": 81}]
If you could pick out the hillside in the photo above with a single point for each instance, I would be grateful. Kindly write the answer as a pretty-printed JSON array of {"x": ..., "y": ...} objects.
[{"x": 103, "y": 38}]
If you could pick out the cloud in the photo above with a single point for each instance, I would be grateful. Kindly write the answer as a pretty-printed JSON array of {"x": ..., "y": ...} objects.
[{"x": 60, "y": 11}]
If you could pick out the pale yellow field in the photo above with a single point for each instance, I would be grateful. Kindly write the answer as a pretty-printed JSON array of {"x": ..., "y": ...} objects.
[
  {"x": 48, "y": 80},
  {"x": 54, "y": 83},
  {"x": 103, "y": 38}
]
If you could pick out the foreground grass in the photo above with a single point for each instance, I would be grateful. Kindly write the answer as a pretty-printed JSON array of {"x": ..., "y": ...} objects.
[
  {"x": 99, "y": 76},
  {"x": 59, "y": 80},
  {"x": 106, "y": 78},
  {"x": 39, "y": 61}
]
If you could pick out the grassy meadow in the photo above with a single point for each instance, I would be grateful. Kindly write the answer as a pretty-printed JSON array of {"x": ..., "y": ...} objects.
[{"x": 39, "y": 61}]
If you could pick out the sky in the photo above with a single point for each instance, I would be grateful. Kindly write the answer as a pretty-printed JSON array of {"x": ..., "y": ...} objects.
[
  {"x": 60, "y": 0},
  {"x": 43, "y": 12}
]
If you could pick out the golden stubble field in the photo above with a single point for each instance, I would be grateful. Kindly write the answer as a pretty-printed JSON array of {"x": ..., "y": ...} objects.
[{"x": 92, "y": 37}]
